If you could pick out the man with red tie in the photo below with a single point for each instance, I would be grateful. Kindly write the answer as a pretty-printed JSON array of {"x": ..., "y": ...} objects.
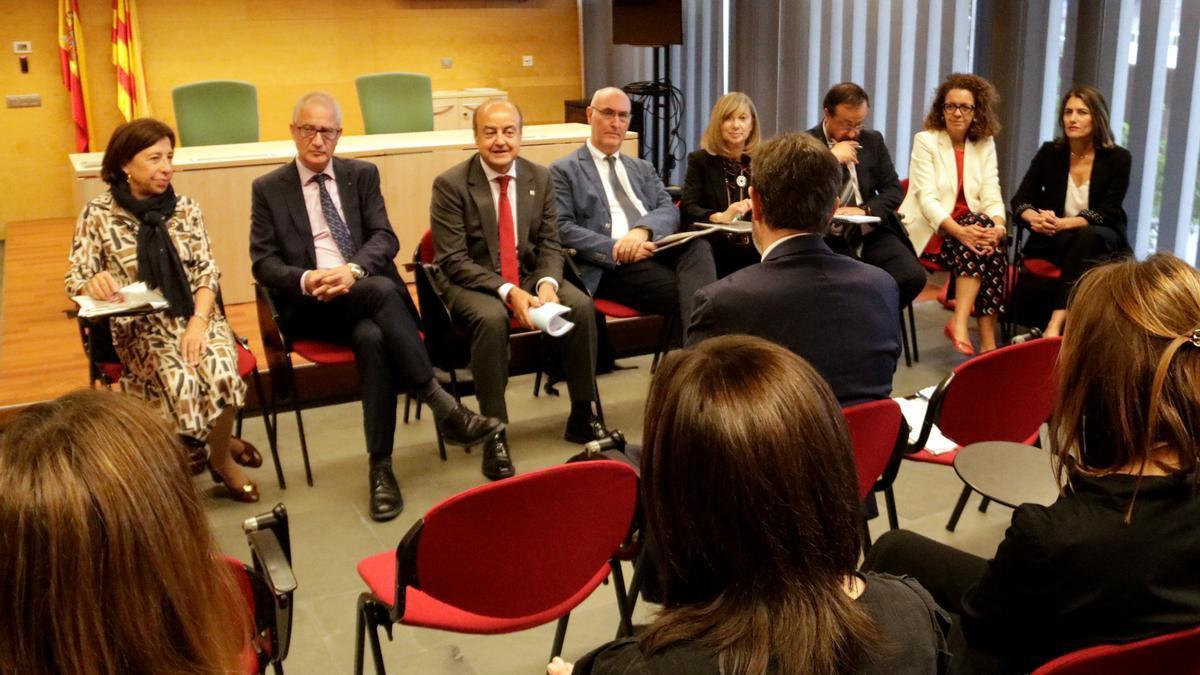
[{"x": 495, "y": 231}]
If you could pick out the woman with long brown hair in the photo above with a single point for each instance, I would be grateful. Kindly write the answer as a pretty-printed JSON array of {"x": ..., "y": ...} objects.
[
  {"x": 109, "y": 567},
  {"x": 1115, "y": 558},
  {"x": 749, "y": 491}
]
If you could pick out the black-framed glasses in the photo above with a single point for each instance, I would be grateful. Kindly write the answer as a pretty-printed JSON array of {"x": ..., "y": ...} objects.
[
  {"x": 609, "y": 114},
  {"x": 328, "y": 133},
  {"x": 964, "y": 108}
]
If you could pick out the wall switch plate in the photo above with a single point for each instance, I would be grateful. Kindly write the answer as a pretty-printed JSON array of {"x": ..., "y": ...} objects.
[
  {"x": 22, "y": 47},
  {"x": 447, "y": 62},
  {"x": 527, "y": 60},
  {"x": 23, "y": 101}
]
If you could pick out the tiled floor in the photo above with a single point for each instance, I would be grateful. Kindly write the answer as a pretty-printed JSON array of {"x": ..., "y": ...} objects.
[{"x": 331, "y": 531}]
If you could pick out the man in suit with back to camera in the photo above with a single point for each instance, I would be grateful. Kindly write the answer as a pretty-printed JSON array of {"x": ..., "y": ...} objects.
[
  {"x": 869, "y": 187},
  {"x": 612, "y": 208},
  {"x": 320, "y": 241},
  {"x": 496, "y": 237},
  {"x": 835, "y": 311}
]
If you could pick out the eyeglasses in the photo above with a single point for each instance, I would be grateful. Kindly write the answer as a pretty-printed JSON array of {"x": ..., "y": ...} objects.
[
  {"x": 963, "y": 108},
  {"x": 328, "y": 133},
  {"x": 608, "y": 114}
]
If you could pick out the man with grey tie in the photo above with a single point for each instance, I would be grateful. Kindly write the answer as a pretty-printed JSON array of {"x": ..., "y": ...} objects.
[
  {"x": 321, "y": 242},
  {"x": 611, "y": 210}
]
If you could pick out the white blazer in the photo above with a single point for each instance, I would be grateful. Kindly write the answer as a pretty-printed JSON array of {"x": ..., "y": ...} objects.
[{"x": 933, "y": 183}]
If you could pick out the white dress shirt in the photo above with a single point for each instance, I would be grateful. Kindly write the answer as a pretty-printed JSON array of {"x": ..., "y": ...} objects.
[
  {"x": 326, "y": 249},
  {"x": 620, "y": 224},
  {"x": 494, "y": 184},
  {"x": 779, "y": 241},
  {"x": 1077, "y": 198}
]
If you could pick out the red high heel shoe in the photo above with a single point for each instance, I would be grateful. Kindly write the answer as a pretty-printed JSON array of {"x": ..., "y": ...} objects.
[{"x": 964, "y": 348}]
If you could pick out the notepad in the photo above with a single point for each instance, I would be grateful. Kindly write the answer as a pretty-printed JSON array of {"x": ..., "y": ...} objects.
[{"x": 135, "y": 297}]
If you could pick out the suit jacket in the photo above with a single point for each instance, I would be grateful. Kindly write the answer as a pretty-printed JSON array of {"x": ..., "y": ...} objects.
[
  {"x": 836, "y": 312},
  {"x": 704, "y": 191},
  {"x": 466, "y": 233},
  {"x": 1045, "y": 186},
  {"x": 933, "y": 183},
  {"x": 281, "y": 240},
  {"x": 584, "y": 219}
]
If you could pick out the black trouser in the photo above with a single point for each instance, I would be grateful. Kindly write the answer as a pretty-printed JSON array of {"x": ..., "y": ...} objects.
[
  {"x": 1075, "y": 252},
  {"x": 665, "y": 284},
  {"x": 486, "y": 318},
  {"x": 374, "y": 319}
]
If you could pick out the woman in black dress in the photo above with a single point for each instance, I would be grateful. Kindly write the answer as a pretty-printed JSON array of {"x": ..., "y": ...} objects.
[
  {"x": 718, "y": 178},
  {"x": 1071, "y": 196}
]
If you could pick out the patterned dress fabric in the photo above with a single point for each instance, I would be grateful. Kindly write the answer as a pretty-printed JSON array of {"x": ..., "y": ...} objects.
[
  {"x": 964, "y": 262},
  {"x": 191, "y": 397}
]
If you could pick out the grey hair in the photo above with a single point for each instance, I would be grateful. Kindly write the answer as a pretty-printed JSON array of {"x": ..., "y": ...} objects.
[
  {"x": 606, "y": 90},
  {"x": 488, "y": 104},
  {"x": 320, "y": 97}
]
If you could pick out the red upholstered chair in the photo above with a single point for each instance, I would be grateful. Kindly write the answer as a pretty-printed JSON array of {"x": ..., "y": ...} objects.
[
  {"x": 1174, "y": 653},
  {"x": 611, "y": 308},
  {"x": 1004, "y": 395},
  {"x": 879, "y": 435},
  {"x": 456, "y": 570},
  {"x": 279, "y": 347},
  {"x": 267, "y": 586}
]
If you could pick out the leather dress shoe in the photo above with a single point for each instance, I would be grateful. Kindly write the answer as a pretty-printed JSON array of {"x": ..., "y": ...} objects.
[
  {"x": 496, "y": 462},
  {"x": 463, "y": 427},
  {"x": 584, "y": 429},
  {"x": 386, "y": 501}
]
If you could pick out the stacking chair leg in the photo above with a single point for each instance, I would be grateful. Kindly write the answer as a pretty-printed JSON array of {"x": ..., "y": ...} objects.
[
  {"x": 560, "y": 636},
  {"x": 890, "y": 498},
  {"x": 303, "y": 440},
  {"x": 904, "y": 341},
  {"x": 407, "y": 405},
  {"x": 367, "y": 625},
  {"x": 269, "y": 425},
  {"x": 983, "y": 504},
  {"x": 958, "y": 508},
  {"x": 866, "y": 536},
  {"x": 912, "y": 334},
  {"x": 664, "y": 341},
  {"x": 625, "y": 627}
]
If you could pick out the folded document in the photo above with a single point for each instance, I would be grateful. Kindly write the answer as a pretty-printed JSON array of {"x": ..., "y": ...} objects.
[{"x": 135, "y": 297}]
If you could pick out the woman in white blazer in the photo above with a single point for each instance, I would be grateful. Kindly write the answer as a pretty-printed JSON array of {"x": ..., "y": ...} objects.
[{"x": 954, "y": 187}]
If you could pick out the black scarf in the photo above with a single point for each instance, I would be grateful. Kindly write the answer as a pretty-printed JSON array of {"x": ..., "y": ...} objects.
[{"x": 157, "y": 260}]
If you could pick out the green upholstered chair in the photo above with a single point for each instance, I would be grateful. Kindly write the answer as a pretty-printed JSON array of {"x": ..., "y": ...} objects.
[
  {"x": 395, "y": 102},
  {"x": 216, "y": 112}
]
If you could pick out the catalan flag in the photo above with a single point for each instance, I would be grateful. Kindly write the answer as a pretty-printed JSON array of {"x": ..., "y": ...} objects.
[
  {"x": 127, "y": 57},
  {"x": 70, "y": 50}
]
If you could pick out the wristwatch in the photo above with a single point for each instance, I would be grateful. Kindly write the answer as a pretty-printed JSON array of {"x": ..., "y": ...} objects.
[{"x": 357, "y": 271}]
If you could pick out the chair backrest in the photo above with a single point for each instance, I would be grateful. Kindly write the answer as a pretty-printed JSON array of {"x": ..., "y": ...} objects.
[
  {"x": 425, "y": 251},
  {"x": 276, "y": 346},
  {"x": 1175, "y": 653},
  {"x": 878, "y": 433},
  {"x": 104, "y": 365},
  {"x": 395, "y": 102},
  {"x": 1004, "y": 395},
  {"x": 526, "y": 544},
  {"x": 216, "y": 112}
]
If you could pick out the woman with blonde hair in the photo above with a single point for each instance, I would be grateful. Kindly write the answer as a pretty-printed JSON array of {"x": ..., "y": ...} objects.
[
  {"x": 716, "y": 188},
  {"x": 1114, "y": 559},
  {"x": 109, "y": 567}
]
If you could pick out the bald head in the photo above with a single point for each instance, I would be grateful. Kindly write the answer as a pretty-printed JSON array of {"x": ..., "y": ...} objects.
[
  {"x": 489, "y": 106},
  {"x": 608, "y": 116}
]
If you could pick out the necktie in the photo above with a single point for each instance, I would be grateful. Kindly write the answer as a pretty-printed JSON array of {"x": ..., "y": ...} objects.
[
  {"x": 337, "y": 226},
  {"x": 847, "y": 195},
  {"x": 631, "y": 211},
  {"x": 508, "y": 237}
]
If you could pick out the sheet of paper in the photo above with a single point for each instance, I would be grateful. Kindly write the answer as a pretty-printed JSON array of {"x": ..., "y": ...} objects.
[
  {"x": 862, "y": 220},
  {"x": 134, "y": 297},
  {"x": 549, "y": 319},
  {"x": 914, "y": 413}
]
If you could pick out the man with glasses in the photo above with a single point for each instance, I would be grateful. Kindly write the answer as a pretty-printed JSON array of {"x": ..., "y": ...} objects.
[
  {"x": 320, "y": 241},
  {"x": 869, "y": 188},
  {"x": 612, "y": 208},
  {"x": 497, "y": 244}
]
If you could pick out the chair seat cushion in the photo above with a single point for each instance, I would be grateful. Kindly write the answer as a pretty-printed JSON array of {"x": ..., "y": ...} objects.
[
  {"x": 327, "y": 353},
  {"x": 246, "y": 361},
  {"x": 420, "y": 609},
  {"x": 1043, "y": 268},
  {"x": 111, "y": 370},
  {"x": 945, "y": 458},
  {"x": 614, "y": 309}
]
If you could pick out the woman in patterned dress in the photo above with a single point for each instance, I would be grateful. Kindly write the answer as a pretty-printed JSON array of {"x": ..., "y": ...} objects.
[
  {"x": 954, "y": 186},
  {"x": 183, "y": 359}
]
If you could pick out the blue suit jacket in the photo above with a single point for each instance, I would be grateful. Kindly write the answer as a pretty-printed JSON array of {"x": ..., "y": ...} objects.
[{"x": 584, "y": 222}]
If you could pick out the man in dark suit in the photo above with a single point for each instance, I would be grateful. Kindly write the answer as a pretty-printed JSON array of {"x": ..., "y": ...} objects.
[
  {"x": 835, "y": 311},
  {"x": 869, "y": 187},
  {"x": 320, "y": 240},
  {"x": 496, "y": 238},
  {"x": 612, "y": 208}
]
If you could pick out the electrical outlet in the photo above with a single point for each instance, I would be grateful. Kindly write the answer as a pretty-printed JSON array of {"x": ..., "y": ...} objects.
[
  {"x": 527, "y": 60},
  {"x": 23, "y": 101},
  {"x": 22, "y": 47},
  {"x": 447, "y": 62}
]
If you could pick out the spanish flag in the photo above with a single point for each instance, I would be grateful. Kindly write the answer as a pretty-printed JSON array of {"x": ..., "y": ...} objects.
[
  {"x": 70, "y": 50},
  {"x": 127, "y": 57}
]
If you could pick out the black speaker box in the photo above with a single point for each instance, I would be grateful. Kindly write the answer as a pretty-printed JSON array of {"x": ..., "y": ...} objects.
[{"x": 649, "y": 23}]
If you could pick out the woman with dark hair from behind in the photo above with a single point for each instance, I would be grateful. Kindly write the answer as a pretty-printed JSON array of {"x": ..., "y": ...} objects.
[
  {"x": 109, "y": 567},
  {"x": 1115, "y": 559},
  {"x": 1071, "y": 196},
  {"x": 748, "y": 484}
]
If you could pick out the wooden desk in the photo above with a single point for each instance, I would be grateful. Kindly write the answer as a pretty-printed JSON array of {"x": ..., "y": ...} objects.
[{"x": 219, "y": 177}]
